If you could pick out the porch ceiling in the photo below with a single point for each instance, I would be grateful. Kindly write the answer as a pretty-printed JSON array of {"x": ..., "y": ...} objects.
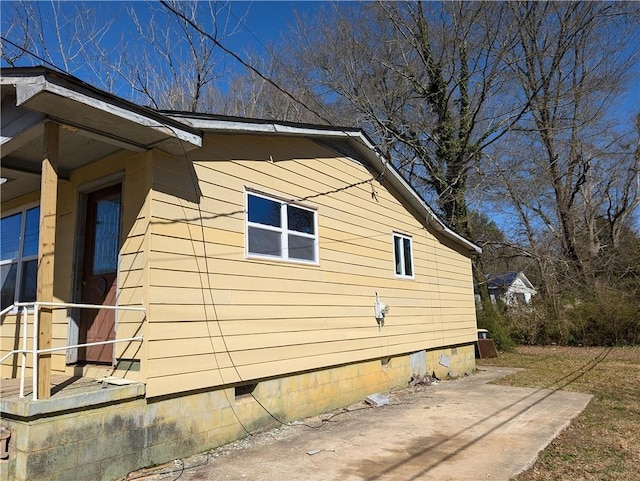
[{"x": 22, "y": 150}]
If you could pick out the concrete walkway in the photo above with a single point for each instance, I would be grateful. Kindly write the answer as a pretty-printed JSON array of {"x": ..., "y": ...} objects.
[{"x": 457, "y": 430}]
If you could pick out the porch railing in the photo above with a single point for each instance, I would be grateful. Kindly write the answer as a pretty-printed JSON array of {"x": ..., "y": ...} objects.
[{"x": 23, "y": 309}]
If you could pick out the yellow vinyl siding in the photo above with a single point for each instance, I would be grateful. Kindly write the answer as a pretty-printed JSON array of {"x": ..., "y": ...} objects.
[
  {"x": 275, "y": 317},
  {"x": 132, "y": 261},
  {"x": 132, "y": 277}
]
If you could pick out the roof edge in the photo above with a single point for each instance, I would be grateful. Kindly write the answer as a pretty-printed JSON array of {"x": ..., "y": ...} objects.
[
  {"x": 224, "y": 124},
  {"x": 433, "y": 219},
  {"x": 33, "y": 81},
  {"x": 192, "y": 125}
]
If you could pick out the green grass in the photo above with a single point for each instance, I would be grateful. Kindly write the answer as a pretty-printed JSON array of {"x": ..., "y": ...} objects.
[{"x": 602, "y": 443}]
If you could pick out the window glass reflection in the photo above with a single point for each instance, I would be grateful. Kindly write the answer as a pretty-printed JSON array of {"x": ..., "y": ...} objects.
[
  {"x": 10, "y": 236},
  {"x": 300, "y": 220},
  {"x": 264, "y": 211},
  {"x": 107, "y": 236},
  {"x": 31, "y": 228}
]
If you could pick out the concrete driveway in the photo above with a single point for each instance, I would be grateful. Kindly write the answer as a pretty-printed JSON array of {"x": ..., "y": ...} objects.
[{"x": 457, "y": 430}]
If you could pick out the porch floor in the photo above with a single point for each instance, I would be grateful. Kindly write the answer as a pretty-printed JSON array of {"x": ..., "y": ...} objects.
[
  {"x": 61, "y": 385},
  {"x": 67, "y": 393}
]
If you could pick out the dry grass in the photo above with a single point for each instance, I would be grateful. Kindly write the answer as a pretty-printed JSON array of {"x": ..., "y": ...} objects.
[{"x": 603, "y": 443}]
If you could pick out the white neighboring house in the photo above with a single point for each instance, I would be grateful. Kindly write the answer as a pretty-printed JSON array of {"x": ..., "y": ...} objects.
[{"x": 513, "y": 288}]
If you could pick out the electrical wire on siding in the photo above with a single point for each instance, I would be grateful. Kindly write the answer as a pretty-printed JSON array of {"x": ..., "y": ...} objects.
[{"x": 208, "y": 288}]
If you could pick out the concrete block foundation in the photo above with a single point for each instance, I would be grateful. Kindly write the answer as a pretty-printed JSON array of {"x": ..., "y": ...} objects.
[{"x": 106, "y": 433}]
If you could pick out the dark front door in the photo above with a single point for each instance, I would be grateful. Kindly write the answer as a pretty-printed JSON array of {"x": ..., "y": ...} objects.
[{"x": 99, "y": 274}]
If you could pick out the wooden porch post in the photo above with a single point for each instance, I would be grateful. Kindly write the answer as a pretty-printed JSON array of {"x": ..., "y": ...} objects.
[{"x": 46, "y": 251}]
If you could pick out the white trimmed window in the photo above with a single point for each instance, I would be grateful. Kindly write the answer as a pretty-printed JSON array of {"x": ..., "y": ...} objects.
[
  {"x": 19, "y": 255},
  {"x": 277, "y": 229},
  {"x": 403, "y": 255}
]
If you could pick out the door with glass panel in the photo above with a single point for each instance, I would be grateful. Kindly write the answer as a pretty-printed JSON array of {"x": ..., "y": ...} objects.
[{"x": 99, "y": 274}]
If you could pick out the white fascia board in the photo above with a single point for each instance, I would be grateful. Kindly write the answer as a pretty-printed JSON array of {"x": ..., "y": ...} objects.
[
  {"x": 403, "y": 186},
  {"x": 227, "y": 125},
  {"x": 27, "y": 89},
  {"x": 241, "y": 126},
  {"x": 311, "y": 132},
  {"x": 525, "y": 281}
]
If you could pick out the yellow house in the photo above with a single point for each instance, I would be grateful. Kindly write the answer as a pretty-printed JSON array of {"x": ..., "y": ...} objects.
[{"x": 249, "y": 271}]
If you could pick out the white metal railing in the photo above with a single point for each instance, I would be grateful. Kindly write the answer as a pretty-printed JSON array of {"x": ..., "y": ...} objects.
[{"x": 23, "y": 308}]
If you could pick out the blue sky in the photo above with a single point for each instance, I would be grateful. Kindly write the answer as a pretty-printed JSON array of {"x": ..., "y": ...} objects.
[
  {"x": 262, "y": 23},
  {"x": 257, "y": 24},
  {"x": 265, "y": 20}
]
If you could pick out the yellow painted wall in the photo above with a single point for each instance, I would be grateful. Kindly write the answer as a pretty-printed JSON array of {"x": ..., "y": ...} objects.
[
  {"x": 135, "y": 178},
  {"x": 216, "y": 317}
]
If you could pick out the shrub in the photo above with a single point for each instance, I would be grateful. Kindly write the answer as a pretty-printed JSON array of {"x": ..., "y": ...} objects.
[
  {"x": 612, "y": 318},
  {"x": 496, "y": 323}
]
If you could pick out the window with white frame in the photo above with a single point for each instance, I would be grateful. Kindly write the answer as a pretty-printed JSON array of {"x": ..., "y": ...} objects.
[
  {"x": 19, "y": 255},
  {"x": 277, "y": 229},
  {"x": 403, "y": 255}
]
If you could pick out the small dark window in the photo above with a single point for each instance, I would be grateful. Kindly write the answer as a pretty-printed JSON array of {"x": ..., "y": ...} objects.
[
  {"x": 403, "y": 255},
  {"x": 245, "y": 390}
]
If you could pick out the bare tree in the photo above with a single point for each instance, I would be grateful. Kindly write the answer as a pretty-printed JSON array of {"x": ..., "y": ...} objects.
[
  {"x": 423, "y": 78},
  {"x": 429, "y": 81},
  {"x": 571, "y": 63},
  {"x": 567, "y": 176},
  {"x": 255, "y": 96},
  {"x": 17, "y": 20},
  {"x": 158, "y": 59},
  {"x": 57, "y": 34},
  {"x": 174, "y": 67}
]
